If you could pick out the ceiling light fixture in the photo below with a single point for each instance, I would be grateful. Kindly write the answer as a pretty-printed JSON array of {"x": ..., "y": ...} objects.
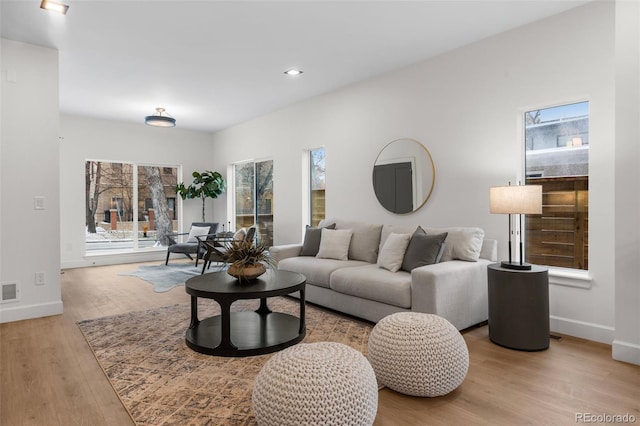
[
  {"x": 159, "y": 120},
  {"x": 53, "y": 6},
  {"x": 293, "y": 72}
]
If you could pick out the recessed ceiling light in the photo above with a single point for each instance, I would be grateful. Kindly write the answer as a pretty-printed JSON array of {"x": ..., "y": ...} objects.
[
  {"x": 54, "y": 6},
  {"x": 293, "y": 72}
]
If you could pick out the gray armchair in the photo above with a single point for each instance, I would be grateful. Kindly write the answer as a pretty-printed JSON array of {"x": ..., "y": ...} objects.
[
  {"x": 214, "y": 251},
  {"x": 193, "y": 244}
]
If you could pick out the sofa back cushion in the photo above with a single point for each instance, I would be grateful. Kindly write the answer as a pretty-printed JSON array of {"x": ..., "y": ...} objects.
[
  {"x": 462, "y": 243},
  {"x": 395, "y": 229},
  {"x": 365, "y": 239}
]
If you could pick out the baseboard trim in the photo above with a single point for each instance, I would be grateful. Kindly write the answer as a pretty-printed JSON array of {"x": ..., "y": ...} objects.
[
  {"x": 626, "y": 352},
  {"x": 19, "y": 313},
  {"x": 584, "y": 330},
  {"x": 115, "y": 259}
]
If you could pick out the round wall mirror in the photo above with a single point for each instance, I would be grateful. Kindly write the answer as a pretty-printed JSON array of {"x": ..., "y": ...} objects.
[{"x": 403, "y": 176}]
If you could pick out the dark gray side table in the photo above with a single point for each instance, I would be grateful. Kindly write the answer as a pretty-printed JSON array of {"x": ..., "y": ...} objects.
[{"x": 519, "y": 307}]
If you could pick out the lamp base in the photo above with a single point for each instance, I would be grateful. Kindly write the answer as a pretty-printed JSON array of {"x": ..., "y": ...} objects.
[{"x": 515, "y": 265}]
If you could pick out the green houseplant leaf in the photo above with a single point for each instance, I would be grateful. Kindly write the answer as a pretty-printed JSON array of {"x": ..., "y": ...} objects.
[{"x": 205, "y": 185}]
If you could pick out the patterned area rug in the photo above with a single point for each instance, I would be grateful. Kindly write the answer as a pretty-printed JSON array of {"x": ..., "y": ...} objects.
[
  {"x": 161, "y": 381},
  {"x": 165, "y": 277}
]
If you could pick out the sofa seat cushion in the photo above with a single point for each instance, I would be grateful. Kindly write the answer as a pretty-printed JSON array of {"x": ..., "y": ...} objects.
[
  {"x": 373, "y": 283},
  {"x": 316, "y": 270}
]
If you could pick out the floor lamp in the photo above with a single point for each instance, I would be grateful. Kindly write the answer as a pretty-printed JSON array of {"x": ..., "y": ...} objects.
[{"x": 520, "y": 200}]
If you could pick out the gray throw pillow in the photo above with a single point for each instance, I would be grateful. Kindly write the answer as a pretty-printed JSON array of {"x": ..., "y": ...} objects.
[
  {"x": 423, "y": 249},
  {"x": 311, "y": 243},
  {"x": 441, "y": 252}
]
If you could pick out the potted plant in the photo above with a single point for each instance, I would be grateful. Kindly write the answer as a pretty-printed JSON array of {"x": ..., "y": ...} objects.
[
  {"x": 248, "y": 261},
  {"x": 205, "y": 185}
]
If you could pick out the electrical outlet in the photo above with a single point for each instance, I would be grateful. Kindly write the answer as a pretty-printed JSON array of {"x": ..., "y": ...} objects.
[
  {"x": 39, "y": 278},
  {"x": 38, "y": 203}
]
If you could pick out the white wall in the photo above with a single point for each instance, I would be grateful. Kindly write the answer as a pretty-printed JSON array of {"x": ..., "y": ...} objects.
[
  {"x": 626, "y": 346},
  {"x": 30, "y": 239},
  {"x": 95, "y": 139},
  {"x": 465, "y": 107}
]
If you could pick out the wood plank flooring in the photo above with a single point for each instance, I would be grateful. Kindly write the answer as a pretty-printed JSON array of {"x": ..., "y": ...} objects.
[{"x": 49, "y": 376}]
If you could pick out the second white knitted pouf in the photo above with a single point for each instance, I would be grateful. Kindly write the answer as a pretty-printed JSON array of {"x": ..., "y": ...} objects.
[
  {"x": 418, "y": 354},
  {"x": 323, "y": 383}
]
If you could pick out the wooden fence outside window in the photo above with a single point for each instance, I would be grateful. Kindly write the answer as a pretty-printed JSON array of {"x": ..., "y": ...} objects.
[{"x": 559, "y": 237}]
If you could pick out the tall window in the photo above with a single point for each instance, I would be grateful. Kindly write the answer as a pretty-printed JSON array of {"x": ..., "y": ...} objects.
[
  {"x": 254, "y": 198},
  {"x": 557, "y": 157},
  {"x": 316, "y": 186},
  {"x": 128, "y": 206}
]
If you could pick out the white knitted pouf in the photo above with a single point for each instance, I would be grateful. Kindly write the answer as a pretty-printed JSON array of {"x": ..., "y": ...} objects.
[
  {"x": 418, "y": 354},
  {"x": 323, "y": 383}
]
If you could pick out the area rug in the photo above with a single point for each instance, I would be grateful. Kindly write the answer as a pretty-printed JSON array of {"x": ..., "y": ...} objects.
[
  {"x": 165, "y": 277},
  {"x": 161, "y": 381}
]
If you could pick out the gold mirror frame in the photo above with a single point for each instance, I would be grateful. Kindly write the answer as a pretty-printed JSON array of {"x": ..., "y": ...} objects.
[{"x": 402, "y": 154}]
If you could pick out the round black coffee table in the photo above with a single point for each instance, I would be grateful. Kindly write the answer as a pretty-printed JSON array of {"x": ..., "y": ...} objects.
[{"x": 244, "y": 333}]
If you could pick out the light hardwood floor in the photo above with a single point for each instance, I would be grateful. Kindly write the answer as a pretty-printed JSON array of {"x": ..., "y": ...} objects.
[{"x": 50, "y": 377}]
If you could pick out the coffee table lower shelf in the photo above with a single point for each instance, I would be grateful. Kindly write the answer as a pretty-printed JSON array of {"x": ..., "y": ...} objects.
[{"x": 251, "y": 333}]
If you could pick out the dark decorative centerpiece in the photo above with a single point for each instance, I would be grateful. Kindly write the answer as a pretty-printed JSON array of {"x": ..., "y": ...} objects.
[{"x": 248, "y": 260}]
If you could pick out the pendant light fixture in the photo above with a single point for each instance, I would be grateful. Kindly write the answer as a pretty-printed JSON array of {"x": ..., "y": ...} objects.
[{"x": 160, "y": 119}]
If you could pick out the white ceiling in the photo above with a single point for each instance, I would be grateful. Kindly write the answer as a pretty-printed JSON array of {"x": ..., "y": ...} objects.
[{"x": 213, "y": 64}]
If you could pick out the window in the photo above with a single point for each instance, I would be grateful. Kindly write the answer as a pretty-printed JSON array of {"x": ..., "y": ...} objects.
[
  {"x": 128, "y": 206},
  {"x": 253, "y": 191},
  {"x": 316, "y": 186},
  {"x": 557, "y": 157}
]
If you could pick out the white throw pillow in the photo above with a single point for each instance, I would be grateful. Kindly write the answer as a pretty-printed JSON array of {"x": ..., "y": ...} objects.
[
  {"x": 392, "y": 252},
  {"x": 240, "y": 234},
  {"x": 334, "y": 244},
  {"x": 462, "y": 243},
  {"x": 197, "y": 231}
]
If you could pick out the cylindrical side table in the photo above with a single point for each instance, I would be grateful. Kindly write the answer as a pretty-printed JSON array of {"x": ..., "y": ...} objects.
[{"x": 519, "y": 307}]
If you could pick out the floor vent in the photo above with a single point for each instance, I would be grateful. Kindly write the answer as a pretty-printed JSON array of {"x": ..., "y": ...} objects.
[{"x": 9, "y": 292}]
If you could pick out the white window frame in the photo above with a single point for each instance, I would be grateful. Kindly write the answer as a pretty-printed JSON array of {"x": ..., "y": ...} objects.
[
  {"x": 134, "y": 210},
  {"x": 567, "y": 277}
]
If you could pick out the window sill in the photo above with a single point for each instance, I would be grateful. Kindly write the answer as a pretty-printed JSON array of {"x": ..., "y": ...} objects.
[
  {"x": 124, "y": 251},
  {"x": 570, "y": 278}
]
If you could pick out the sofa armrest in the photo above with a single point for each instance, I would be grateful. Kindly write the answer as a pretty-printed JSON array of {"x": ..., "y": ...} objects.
[
  {"x": 455, "y": 290},
  {"x": 284, "y": 251}
]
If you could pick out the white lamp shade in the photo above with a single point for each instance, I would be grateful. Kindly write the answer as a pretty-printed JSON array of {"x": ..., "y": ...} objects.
[{"x": 516, "y": 199}]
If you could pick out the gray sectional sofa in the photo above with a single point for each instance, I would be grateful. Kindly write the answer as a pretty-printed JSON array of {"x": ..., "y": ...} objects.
[{"x": 359, "y": 281}]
